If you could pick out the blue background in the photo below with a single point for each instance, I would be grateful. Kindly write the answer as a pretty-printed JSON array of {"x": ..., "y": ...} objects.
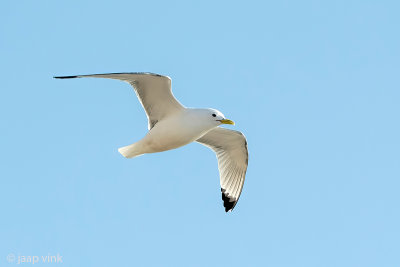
[{"x": 314, "y": 85}]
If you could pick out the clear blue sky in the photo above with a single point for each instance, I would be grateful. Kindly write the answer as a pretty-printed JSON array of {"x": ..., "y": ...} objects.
[{"x": 314, "y": 85}]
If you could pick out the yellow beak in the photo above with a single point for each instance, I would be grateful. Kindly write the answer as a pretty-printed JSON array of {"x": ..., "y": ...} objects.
[{"x": 226, "y": 121}]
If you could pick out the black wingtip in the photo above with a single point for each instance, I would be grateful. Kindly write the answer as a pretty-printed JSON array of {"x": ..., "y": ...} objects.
[
  {"x": 65, "y": 77},
  {"x": 229, "y": 203}
]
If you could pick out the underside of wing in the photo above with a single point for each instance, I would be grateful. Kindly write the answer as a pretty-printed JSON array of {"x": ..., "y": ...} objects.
[
  {"x": 231, "y": 149},
  {"x": 153, "y": 90}
]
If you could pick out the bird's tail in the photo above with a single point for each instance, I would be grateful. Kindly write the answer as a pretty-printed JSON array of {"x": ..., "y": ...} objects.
[{"x": 130, "y": 151}]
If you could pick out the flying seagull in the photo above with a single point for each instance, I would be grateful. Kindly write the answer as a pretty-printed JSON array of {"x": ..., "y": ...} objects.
[{"x": 171, "y": 125}]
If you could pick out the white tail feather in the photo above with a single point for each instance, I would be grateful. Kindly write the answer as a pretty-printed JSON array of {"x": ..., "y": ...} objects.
[{"x": 130, "y": 151}]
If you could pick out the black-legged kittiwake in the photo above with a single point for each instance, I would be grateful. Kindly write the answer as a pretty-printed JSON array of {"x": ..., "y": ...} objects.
[{"x": 171, "y": 125}]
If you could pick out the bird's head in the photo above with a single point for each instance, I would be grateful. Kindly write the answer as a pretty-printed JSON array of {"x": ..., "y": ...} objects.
[
  {"x": 216, "y": 117},
  {"x": 207, "y": 118}
]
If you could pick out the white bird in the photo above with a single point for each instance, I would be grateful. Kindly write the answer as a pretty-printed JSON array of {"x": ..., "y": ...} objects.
[{"x": 171, "y": 125}]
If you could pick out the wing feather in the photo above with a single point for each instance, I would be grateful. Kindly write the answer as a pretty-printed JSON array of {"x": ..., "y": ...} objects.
[
  {"x": 153, "y": 91},
  {"x": 231, "y": 150}
]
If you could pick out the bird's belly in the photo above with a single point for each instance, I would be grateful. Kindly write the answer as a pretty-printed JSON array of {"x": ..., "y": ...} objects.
[{"x": 167, "y": 136}]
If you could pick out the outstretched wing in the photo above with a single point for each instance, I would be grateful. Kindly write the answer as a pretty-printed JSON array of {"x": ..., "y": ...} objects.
[
  {"x": 231, "y": 149},
  {"x": 153, "y": 90}
]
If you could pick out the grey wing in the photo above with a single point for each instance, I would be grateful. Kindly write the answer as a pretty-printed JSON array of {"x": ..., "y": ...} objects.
[
  {"x": 231, "y": 149},
  {"x": 153, "y": 90}
]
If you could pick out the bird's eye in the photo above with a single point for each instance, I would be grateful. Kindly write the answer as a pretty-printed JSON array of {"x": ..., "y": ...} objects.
[{"x": 214, "y": 115}]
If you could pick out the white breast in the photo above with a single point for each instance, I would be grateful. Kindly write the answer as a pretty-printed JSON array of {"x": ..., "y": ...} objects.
[{"x": 175, "y": 131}]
